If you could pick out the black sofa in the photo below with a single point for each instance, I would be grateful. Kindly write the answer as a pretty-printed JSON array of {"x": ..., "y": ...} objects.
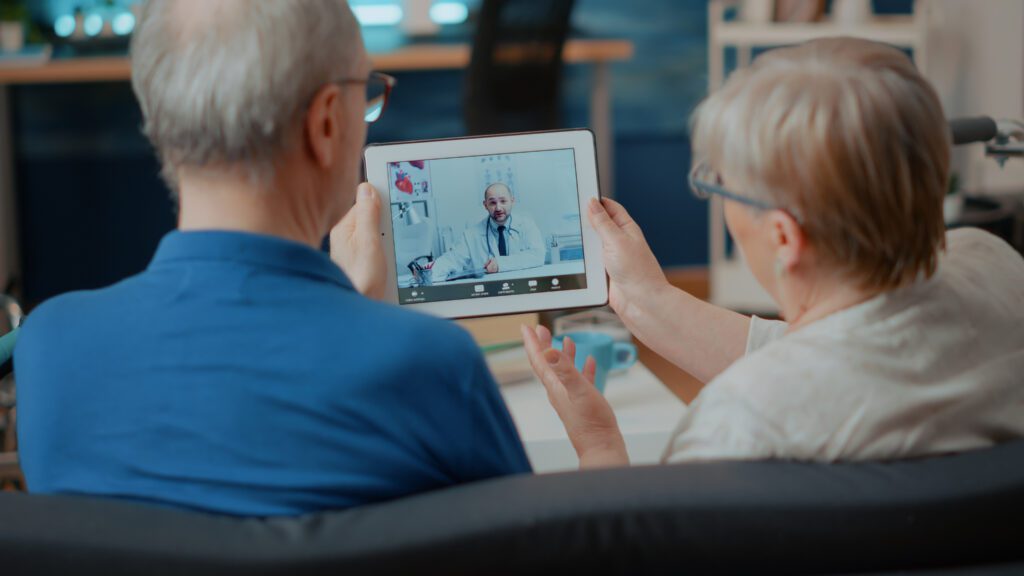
[{"x": 955, "y": 514}]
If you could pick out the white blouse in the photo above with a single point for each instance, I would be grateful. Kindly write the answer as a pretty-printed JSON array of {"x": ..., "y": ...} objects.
[{"x": 933, "y": 368}]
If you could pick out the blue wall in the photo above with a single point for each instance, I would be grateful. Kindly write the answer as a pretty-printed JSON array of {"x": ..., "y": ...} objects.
[
  {"x": 93, "y": 207},
  {"x": 653, "y": 95}
]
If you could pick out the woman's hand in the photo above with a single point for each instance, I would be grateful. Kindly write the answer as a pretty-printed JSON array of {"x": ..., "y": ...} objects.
[
  {"x": 700, "y": 338},
  {"x": 587, "y": 416},
  {"x": 356, "y": 245},
  {"x": 632, "y": 268}
]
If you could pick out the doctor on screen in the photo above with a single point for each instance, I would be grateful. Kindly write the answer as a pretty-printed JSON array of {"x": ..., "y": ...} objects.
[{"x": 499, "y": 243}]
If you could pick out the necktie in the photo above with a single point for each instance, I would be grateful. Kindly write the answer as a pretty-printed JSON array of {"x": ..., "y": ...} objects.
[{"x": 502, "y": 248}]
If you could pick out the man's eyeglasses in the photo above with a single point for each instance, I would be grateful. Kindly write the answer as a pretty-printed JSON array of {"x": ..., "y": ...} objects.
[{"x": 378, "y": 90}]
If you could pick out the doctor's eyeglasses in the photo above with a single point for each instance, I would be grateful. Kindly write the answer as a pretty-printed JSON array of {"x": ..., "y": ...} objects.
[{"x": 378, "y": 91}]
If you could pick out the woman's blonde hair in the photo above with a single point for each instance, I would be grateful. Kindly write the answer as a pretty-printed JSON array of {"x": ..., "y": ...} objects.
[{"x": 847, "y": 136}]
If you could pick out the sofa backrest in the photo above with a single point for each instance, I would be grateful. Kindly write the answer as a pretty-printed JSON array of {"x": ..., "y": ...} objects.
[{"x": 955, "y": 511}]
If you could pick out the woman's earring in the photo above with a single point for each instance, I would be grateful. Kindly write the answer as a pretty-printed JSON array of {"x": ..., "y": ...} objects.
[{"x": 780, "y": 269}]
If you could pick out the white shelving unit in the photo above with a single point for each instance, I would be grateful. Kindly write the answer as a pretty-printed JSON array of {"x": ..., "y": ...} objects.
[{"x": 732, "y": 284}]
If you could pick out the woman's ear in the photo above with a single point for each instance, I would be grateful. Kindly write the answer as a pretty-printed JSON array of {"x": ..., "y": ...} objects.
[
  {"x": 788, "y": 240},
  {"x": 322, "y": 129}
]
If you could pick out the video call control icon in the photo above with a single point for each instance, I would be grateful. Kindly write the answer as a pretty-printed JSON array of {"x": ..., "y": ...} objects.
[
  {"x": 532, "y": 283},
  {"x": 478, "y": 288}
]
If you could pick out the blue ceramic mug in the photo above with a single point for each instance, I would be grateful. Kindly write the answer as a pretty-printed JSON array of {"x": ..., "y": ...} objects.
[{"x": 609, "y": 354}]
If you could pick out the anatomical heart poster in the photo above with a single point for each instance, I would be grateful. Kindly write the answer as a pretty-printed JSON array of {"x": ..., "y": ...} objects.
[{"x": 409, "y": 180}]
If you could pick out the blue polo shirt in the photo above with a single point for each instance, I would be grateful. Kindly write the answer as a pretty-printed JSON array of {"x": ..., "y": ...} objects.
[{"x": 243, "y": 374}]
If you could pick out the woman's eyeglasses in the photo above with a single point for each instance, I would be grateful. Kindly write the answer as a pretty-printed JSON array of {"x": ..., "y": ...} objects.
[
  {"x": 378, "y": 91},
  {"x": 705, "y": 182}
]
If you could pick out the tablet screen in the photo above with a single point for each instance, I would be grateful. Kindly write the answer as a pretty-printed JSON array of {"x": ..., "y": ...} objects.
[{"x": 486, "y": 226}]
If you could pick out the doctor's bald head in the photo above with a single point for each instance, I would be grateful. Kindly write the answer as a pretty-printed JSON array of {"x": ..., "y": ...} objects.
[{"x": 498, "y": 201}]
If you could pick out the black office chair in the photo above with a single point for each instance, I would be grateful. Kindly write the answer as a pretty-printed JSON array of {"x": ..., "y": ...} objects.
[{"x": 514, "y": 78}]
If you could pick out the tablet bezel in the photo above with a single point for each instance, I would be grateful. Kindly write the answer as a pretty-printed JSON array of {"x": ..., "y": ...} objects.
[{"x": 377, "y": 156}]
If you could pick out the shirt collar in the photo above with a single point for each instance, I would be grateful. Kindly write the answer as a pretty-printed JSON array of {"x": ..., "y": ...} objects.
[
  {"x": 248, "y": 248},
  {"x": 508, "y": 224}
]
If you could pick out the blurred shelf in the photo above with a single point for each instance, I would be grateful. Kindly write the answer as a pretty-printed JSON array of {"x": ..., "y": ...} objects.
[
  {"x": 407, "y": 58},
  {"x": 895, "y": 30},
  {"x": 103, "y": 69},
  {"x": 732, "y": 284}
]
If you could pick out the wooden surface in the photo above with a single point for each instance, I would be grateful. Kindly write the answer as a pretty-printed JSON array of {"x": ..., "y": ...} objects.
[
  {"x": 408, "y": 58},
  {"x": 498, "y": 331},
  {"x": 9, "y": 467},
  {"x": 682, "y": 384}
]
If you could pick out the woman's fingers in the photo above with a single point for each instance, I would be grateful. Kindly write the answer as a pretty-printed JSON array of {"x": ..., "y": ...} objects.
[
  {"x": 602, "y": 222},
  {"x": 617, "y": 212},
  {"x": 586, "y": 415},
  {"x": 566, "y": 372},
  {"x": 544, "y": 335},
  {"x": 569, "y": 348},
  {"x": 590, "y": 369},
  {"x": 555, "y": 369},
  {"x": 534, "y": 349},
  {"x": 536, "y": 352},
  {"x": 621, "y": 218}
]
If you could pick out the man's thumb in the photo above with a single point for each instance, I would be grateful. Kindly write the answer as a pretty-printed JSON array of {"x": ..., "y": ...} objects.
[
  {"x": 367, "y": 200},
  {"x": 367, "y": 211},
  {"x": 365, "y": 192}
]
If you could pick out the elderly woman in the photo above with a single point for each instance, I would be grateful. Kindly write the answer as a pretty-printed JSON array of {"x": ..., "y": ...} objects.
[{"x": 901, "y": 339}]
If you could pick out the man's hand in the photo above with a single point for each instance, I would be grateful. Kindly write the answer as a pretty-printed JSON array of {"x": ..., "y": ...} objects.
[
  {"x": 632, "y": 268},
  {"x": 491, "y": 266},
  {"x": 356, "y": 244},
  {"x": 586, "y": 415}
]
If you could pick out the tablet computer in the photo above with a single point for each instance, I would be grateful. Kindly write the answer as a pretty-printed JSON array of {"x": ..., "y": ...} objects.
[{"x": 490, "y": 225}]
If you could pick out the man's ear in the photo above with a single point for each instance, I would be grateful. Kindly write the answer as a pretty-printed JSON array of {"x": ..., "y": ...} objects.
[
  {"x": 788, "y": 239},
  {"x": 322, "y": 128}
]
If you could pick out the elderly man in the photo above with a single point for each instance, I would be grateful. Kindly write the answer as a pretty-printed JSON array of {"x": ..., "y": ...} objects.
[
  {"x": 243, "y": 371},
  {"x": 497, "y": 243}
]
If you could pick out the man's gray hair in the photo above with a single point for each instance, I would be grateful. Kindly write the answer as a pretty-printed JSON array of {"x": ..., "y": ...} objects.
[{"x": 226, "y": 83}]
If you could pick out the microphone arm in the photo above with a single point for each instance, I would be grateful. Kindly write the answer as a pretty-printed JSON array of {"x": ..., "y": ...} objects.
[
  {"x": 1009, "y": 143},
  {"x": 1003, "y": 138},
  {"x": 973, "y": 129}
]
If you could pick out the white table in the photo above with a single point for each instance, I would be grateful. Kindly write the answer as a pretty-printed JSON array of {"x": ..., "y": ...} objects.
[{"x": 646, "y": 410}]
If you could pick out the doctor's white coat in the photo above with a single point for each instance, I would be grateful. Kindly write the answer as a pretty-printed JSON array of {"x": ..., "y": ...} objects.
[{"x": 479, "y": 243}]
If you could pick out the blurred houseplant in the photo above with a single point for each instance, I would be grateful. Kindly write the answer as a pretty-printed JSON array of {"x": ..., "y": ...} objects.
[
  {"x": 953, "y": 204},
  {"x": 13, "y": 18}
]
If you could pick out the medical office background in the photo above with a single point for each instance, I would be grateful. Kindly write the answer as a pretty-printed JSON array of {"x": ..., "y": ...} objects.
[
  {"x": 91, "y": 207},
  {"x": 447, "y": 197}
]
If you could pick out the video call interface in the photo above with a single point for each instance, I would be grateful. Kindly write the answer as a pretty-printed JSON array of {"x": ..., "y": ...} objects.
[{"x": 486, "y": 226}]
